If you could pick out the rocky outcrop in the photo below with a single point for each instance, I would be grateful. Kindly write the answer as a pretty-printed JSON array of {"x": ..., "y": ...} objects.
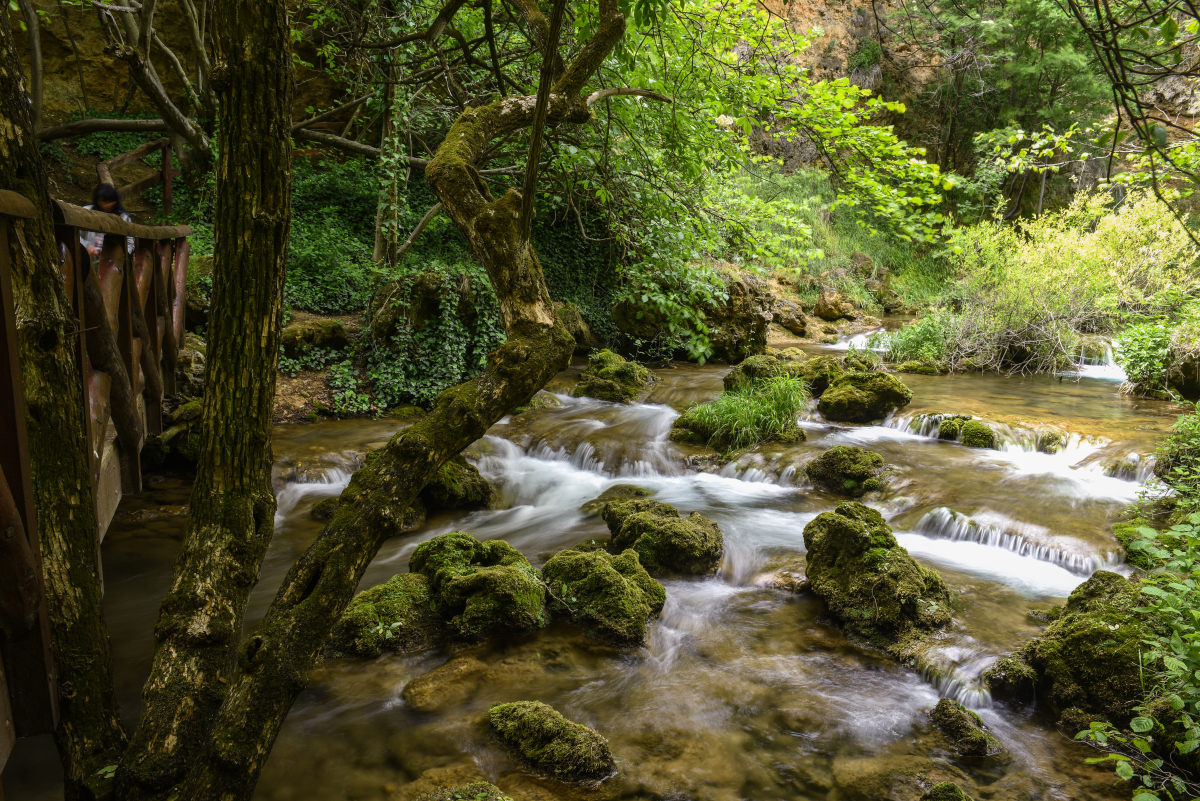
[
  {"x": 846, "y": 470},
  {"x": 610, "y": 377},
  {"x": 790, "y": 315},
  {"x": 547, "y": 741},
  {"x": 396, "y": 616},
  {"x": 481, "y": 588},
  {"x": 1087, "y": 658},
  {"x": 870, "y": 584},
  {"x": 831, "y": 306},
  {"x": 863, "y": 397},
  {"x": 964, "y": 728},
  {"x": 299, "y": 338},
  {"x": 665, "y": 543},
  {"x": 610, "y": 596}
]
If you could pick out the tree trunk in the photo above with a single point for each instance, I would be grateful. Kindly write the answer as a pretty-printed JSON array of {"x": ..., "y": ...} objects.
[
  {"x": 36, "y": 72},
  {"x": 89, "y": 734},
  {"x": 232, "y": 505}
]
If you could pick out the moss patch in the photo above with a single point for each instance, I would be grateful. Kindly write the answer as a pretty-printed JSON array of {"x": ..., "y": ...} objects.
[
  {"x": 323, "y": 511},
  {"x": 395, "y": 616},
  {"x": 458, "y": 485},
  {"x": 964, "y": 728},
  {"x": 542, "y": 400},
  {"x": 484, "y": 588},
  {"x": 617, "y": 492},
  {"x": 821, "y": 371},
  {"x": 846, "y": 470},
  {"x": 946, "y": 791},
  {"x": 611, "y": 597},
  {"x": 610, "y": 377},
  {"x": 919, "y": 368},
  {"x": 863, "y": 397},
  {"x": 870, "y": 584},
  {"x": 550, "y": 742},
  {"x": 1127, "y": 534},
  {"x": 665, "y": 543},
  {"x": 476, "y": 791},
  {"x": 977, "y": 434}
]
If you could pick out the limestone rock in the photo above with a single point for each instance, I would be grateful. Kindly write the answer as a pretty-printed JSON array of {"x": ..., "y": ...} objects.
[
  {"x": 610, "y": 596},
  {"x": 830, "y": 306},
  {"x": 821, "y": 371},
  {"x": 610, "y": 377},
  {"x": 665, "y": 543},
  {"x": 458, "y": 485},
  {"x": 871, "y": 584},
  {"x": 394, "y": 616},
  {"x": 445, "y": 685},
  {"x": 569, "y": 316},
  {"x": 846, "y": 470},
  {"x": 790, "y": 315},
  {"x": 548, "y": 741},
  {"x": 757, "y": 368},
  {"x": 863, "y": 397}
]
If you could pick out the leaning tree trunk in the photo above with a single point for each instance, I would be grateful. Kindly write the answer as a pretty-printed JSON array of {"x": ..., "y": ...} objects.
[
  {"x": 232, "y": 507},
  {"x": 274, "y": 664},
  {"x": 89, "y": 734}
]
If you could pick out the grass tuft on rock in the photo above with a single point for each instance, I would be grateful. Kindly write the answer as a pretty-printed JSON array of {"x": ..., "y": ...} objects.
[
  {"x": 548, "y": 741},
  {"x": 475, "y": 791},
  {"x": 761, "y": 411}
]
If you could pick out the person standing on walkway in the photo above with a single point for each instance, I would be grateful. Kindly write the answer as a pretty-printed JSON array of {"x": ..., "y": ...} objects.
[{"x": 106, "y": 199}]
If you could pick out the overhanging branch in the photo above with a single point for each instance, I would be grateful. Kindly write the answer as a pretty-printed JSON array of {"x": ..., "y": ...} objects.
[{"x": 603, "y": 93}]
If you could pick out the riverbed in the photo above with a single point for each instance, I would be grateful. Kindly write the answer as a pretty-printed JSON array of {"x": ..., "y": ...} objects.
[{"x": 744, "y": 690}]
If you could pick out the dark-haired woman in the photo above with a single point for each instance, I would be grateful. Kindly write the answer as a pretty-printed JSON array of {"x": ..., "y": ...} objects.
[{"x": 106, "y": 199}]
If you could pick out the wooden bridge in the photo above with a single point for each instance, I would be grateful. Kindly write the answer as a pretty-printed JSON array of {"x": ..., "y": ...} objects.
[{"x": 130, "y": 309}]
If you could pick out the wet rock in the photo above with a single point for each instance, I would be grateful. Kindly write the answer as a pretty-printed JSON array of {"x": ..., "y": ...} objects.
[
  {"x": 458, "y": 485},
  {"x": 437, "y": 779},
  {"x": 475, "y": 791},
  {"x": 610, "y": 596},
  {"x": 483, "y": 588},
  {"x": 542, "y": 400},
  {"x": 395, "y": 616},
  {"x": 889, "y": 778},
  {"x": 870, "y": 584},
  {"x": 189, "y": 367},
  {"x": 549, "y": 742},
  {"x": 846, "y": 470},
  {"x": 1087, "y": 657},
  {"x": 610, "y": 377},
  {"x": 569, "y": 316},
  {"x": 617, "y": 492},
  {"x": 821, "y": 371},
  {"x": 323, "y": 511},
  {"x": 445, "y": 686},
  {"x": 299, "y": 338},
  {"x": 830, "y": 306},
  {"x": 964, "y": 728},
  {"x": 790, "y": 315},
  {"x": 920, "y": 368},
  {"x": 863, "y": 397},
  {"x": 783, "y": 573},
  {"x": 946, "y": 791},
  {"x": 977, "y": 434},
  {"x": 665, "y": 543}
]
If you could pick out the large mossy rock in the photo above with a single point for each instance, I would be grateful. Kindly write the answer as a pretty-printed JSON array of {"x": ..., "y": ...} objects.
[
  {"x": 863, "y": 397},
  {"x": 483, "y": 588},
  {"x": 398, "y": 615},
  {"x": 976, "y": 434},
  {"x": 846, "y": 470},
  {"x": 964, "y": 728},
  {"x": 610, "y": 596},
  {"x": 870, "y": 584},
  {"x": 458, "y": 485},
  {"x": 758, "y": 368},
  {"x": 821, "y": 371},
  {"x": 299, "y": 338},
  {"x": 610, "y": 377},
  {"x": 617, "y": 492},
  {"x": 665, "y": 543},
  {"x": 549, "y": 742},
  {"x": 1087, "y": 658}
]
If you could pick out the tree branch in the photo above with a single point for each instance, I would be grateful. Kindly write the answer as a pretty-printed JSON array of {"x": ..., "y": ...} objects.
[
  {"x": 416, "y": 232},
  {"x": 81, "y": 127},
  {"x": 324, "y": 115},
  {"x": 529, "y": 187},
  {"x": 603, "y": 93}
]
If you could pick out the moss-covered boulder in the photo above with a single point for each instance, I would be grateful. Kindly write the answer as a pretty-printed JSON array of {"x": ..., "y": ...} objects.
[
  {"x": 482, "y": 588},
  {"x": 1087, "y": 657},
  {"x": 977, "y": 434},
  {"x": 863, "y": 397},
  {"x": 323, "y": 511},
  {"x": 475, "y": 791},
  {"x": 545, "y": 739},
  {"x": 1128, "y": 533},
  {"x": 870, "y": 584},
  {"x": 617, "y": 492},
  {"x": 301, "y": 337},
  {"x": 665, "y": 543},
  {"x": 946, "y": 791},
  {"x": 919, "y": 368},
  {"x": 964, "y": 728},
  {"x": 610, "y": 377},
  {"x": 791, "y": 355},
  {"x": 846, "y": 470},
  {"x": 821, "y": 371},
  {"x": 542, "y": 400},
  {"x": 398, "y": 615},
  {"x": 610, "y": 596},
  {"x": 756, "y": 369},
  {"x": 458, "y": 485},
  {"x": 951, "y": 427}
]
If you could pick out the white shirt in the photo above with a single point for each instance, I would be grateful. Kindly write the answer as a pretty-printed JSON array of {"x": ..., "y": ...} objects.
[{"x": 96, "y": 239}]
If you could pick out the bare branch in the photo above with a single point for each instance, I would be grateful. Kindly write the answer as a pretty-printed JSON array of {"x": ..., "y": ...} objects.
[
  {"x": 603, "y": 93},
  {"x": 324, "y": 115},
  {"x": 428, "y": 218}
]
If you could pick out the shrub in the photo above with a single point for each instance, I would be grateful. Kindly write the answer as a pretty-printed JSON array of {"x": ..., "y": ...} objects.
[
  {"x": 764, "y": 411},
  {"x": 923, "y": 340},
  {"x": 1142, "y": 351}
]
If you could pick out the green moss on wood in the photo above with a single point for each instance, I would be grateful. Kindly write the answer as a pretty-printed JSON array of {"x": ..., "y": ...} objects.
[
  {"x": 611, "y": 596},
  {"x": 549, "y": 742},
  {"x": 323, "y": 511}
]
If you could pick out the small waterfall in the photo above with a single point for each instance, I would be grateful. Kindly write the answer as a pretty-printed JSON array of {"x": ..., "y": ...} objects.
[
  {"x": 1133, "y": 466},
  {"x": 327, "y": 476},
  {"x": 1021, "y": 538},
  {"x": 1102, "y": 364},
  {"x": 1050, "y": 440},
  {"x": 954, "y": 669},
  {"x": 861, "y": 341}
]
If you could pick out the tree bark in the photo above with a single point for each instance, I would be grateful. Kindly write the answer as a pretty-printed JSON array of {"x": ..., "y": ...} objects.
[
  {"x": 232, "y": 505},
  {"x": 36, "y": 73},
  {"x": 89, "y": 734}
]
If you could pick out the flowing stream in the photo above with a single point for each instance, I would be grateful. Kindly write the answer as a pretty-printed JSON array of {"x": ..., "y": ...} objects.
[{"x": 744, "y": 690}]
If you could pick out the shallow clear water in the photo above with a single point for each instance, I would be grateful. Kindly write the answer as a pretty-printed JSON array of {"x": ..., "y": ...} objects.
[{"x": 743, "y": 691}]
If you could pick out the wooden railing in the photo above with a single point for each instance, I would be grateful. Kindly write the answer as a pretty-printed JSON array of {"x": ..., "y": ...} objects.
[
  {"x": 163, "y": 176},
  {"x": 130, "y": 310}
]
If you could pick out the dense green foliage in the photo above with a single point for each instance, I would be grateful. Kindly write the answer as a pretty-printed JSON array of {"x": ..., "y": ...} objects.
[{"x": 759, "y": 412}]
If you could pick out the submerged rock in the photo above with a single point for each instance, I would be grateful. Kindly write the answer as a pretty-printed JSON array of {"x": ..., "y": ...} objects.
[
  {"x": 446, "y": 685},
  {"x": 846, "y": 470},
  {"x": 548, "y": 741},
  {"x": 821, "y": 371},
  {"x": 863, "y": 397},
  {"x": 977, "y": 434},
  {"x": 869, "y": 583},
  {"x": 964, "y": 728},
  {"x": 610, "y": 596},
  {"x": 1088, "y": 657},
  {"x": 617, "y": 492},
  {"x": 946, "y": 791},
  {"x": 398, "y": 615},
  {"x": 483, "y": 588},
  {"x": 888, "y": 777},
  {"x": 476, "y": 791},
  {"x": 458, "y": 485},
  {"x": 610, "y": 377},
  {"x": 664, "y": 542}
]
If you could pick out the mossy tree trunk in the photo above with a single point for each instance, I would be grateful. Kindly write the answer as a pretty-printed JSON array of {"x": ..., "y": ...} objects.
[
  {"x": 232, "y": 505},
  {"x": 89, "y": 734}
]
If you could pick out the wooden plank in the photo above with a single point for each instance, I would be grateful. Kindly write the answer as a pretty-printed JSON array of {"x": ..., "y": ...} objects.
[
  {"x": 129, "y": 356},
  {"x": 116, "y": 162},
  {"x": 91, "y": 220},
  {"x": 167, "y": 174},
  {"x": 15, "y": 205}
]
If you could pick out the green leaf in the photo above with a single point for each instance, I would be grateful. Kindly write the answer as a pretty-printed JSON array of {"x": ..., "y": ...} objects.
[
  {"x": 1124, "y": 770},
  {"x": 1141, "y": 724}
]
